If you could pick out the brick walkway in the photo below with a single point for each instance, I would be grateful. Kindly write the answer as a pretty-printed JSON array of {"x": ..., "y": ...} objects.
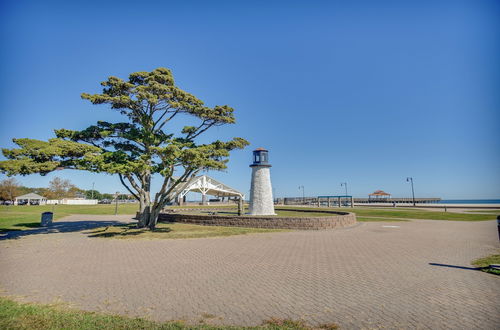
[{"x": 370, "y": 276}]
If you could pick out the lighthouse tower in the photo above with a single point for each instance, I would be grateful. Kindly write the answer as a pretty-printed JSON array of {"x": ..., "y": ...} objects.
[{"x": 261, "y": 192}]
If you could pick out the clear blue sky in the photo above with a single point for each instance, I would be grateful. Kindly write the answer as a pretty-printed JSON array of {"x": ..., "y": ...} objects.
[{"x": 336, "y": 90}]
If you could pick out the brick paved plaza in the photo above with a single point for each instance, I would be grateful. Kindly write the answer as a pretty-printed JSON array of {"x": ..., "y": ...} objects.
[{"x": 373, "y": 275}]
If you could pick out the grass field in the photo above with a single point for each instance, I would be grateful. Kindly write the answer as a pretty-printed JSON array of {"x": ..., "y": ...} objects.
[
  {"x": 14, "y": 315},
  {"x": 408, "y": 213},
  {"x": 365, "y": 219},
  {"x": 493, "y": 259},
  {"x": 492, "y": 211},
  {"x": 25, "y": 217}
]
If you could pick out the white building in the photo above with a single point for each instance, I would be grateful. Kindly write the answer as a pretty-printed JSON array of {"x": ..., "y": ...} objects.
[
  {"x": 30, "y": 199},
  {"x": 72, "y": 201}
]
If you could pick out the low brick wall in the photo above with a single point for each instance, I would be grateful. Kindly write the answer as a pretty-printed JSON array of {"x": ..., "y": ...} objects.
[{"x": 336, "y": 220}]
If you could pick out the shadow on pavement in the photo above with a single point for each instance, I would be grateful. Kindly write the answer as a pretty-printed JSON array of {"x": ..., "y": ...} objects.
[
  {"x": 459, "y": 267},
  {"x": 59, "y": 227}
]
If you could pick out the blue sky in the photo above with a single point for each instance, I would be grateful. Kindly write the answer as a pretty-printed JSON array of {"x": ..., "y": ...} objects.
[{"x": 336, "y": 90}]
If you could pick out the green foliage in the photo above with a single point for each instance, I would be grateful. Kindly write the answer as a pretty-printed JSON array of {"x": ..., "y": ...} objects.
[
  {"x": 35, "y": 156},
  {"x": 93, "y": 194}
]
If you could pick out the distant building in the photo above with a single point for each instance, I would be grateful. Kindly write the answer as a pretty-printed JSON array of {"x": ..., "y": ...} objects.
[
  {"x": 72, "y": 201},
  {"x": 378, "y": 195},
  {"x": 30, "y": 199}
]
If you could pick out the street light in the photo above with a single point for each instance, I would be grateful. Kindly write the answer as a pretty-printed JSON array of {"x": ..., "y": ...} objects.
[
  {"x": 409, "y": 179},
  {"x": 303, "y": 194},
  {"x": 344, "y": 184},
  {"x": 93, "y": 183}
]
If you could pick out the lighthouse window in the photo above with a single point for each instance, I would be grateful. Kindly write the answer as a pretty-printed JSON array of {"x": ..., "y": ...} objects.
[
  {"x": 257, "y": 158},
  {"x": 264, "y": 157}
]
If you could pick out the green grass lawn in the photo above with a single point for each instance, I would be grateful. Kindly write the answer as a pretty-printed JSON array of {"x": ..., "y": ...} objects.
[
  {"x": 174, "y": 230},
  {"x": 26, "y": 217},
  {"x": 495, "y": 212},
  {"x": 365, "y": 219},
  {"x": 494, "y": 259},
  {"x": 14, "y": 315},
  {"x": 408, "y": 213}
]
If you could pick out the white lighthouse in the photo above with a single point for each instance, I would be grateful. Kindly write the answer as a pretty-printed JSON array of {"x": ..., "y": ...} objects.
[{"x": 261, "y": 192}]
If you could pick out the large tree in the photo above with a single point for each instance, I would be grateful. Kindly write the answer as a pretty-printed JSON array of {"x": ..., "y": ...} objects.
[
  {"x": 9, "y": 189},
  {"x": 139, "y": 147},
  {"x": 60, "y": 188}
]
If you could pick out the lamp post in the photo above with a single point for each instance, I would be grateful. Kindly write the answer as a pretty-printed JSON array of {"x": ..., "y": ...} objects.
[
  {"x": 92, "y": 197},
  {"x": 345, "y": 185},
  {"x": 303, "y": 194},
  {"x": 410, "y": 179}
]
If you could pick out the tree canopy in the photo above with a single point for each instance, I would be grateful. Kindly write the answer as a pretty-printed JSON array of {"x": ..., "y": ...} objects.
[{"x": 139, "y": 147}]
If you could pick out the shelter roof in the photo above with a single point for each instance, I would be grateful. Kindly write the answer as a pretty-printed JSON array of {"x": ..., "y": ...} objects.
[
  {"x": 206, "y": 185},
  {"x": 30, "y": 196},
  {"x": 379, "y": 193}
]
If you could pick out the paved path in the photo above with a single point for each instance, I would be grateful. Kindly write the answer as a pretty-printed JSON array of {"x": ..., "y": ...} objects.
[{"x": 392, "y": 275}]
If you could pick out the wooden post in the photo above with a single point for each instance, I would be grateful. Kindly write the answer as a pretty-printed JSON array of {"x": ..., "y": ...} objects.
[
  {"x": 339, "y": 202},
  {"x": 329, "y": 202},
  {"x": 352, "y": 202},
  {"x": 319, "y": 204}
]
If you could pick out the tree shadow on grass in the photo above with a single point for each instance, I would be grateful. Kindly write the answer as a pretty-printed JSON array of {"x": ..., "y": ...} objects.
[
  {"x": 125, "y": 230},
  {"x": 56, "y": 227},
  {"x": 22, "y": 224}
]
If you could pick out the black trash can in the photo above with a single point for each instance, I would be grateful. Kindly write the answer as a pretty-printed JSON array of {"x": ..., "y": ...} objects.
[
  {"x": 498, "y": 226},
  {"x": 46, "y": 219}
]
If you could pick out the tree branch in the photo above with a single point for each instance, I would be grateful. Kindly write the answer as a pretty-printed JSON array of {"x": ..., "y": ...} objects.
[
  {"x": 197, "y": 131},
  {"x": 166, "y": 120},
  {"x": 163, "y": 200},
  {"x": 132, "y": 182},
  {"x": 128, "y": 188}
]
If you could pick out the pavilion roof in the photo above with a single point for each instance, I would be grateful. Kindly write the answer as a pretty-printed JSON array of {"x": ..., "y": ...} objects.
[
  {"x": 379, "y": 193},
  {"x": 30, "y": 196},
  {"x": 206, "y": 185}
]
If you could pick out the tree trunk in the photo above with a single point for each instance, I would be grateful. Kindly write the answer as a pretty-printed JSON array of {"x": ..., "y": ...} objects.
[
  {"x": 153, "y": 219},
  {"x": 142, "y": 211},
  {"x": 149, "y": 216}
]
